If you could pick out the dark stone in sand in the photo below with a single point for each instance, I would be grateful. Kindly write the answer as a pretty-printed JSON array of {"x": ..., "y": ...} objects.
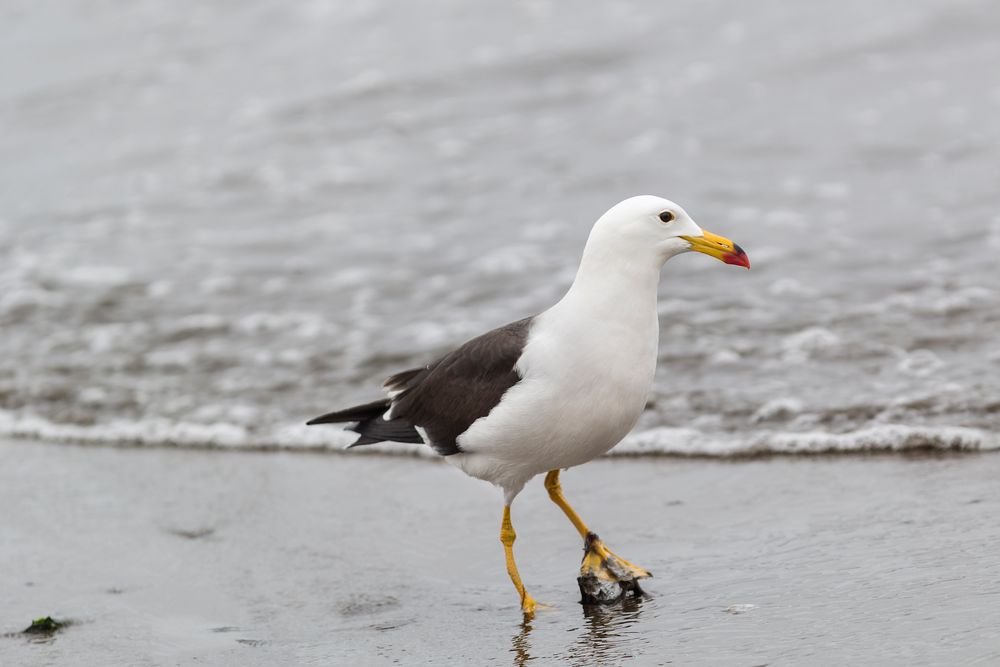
[{"x": 594, "y": 590}]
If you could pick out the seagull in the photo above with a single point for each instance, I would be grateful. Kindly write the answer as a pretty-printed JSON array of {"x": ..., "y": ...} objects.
[{"x": 555, "y": 390}]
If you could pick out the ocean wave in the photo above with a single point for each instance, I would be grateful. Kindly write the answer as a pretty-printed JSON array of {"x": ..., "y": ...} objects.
[
  {"x": 664, "y": 441},
  {"x": 161, "y": 432},
  {"x": 882, "y": 438}
]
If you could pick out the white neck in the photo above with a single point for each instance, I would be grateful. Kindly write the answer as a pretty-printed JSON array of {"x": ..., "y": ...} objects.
[{"x": 612, "y": 284}]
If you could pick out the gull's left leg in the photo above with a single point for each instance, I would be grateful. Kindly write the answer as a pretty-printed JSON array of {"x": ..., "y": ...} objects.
[
  {"x": 601, "y": 569},
  {"x": 507, "y": 537}
]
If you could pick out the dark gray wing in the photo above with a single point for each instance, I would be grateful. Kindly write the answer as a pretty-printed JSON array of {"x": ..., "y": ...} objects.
[
  {"x": 444, "y": 398},
  {"x": 449, "y": 395}
]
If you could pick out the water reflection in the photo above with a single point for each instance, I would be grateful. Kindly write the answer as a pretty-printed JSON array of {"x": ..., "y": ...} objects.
[
  {"x": 519, "y": 644},
  {"x": 608, "y": 635}
]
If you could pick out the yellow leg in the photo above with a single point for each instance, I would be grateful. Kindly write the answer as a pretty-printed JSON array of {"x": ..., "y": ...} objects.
[
  {"x": 507, "y": 537},
  {"x": 598, "y": 560},
  {"x": 554, "y": 488}
]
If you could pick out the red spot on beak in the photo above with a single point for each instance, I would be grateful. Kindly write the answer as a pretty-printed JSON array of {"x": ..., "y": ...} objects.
[{"x": 738, "y": 258}]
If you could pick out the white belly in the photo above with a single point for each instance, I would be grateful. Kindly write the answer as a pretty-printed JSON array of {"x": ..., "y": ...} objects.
[{"x": 575, "y": 401}]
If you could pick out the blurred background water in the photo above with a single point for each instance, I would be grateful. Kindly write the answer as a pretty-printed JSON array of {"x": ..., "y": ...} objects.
[{"x": 217, "y": 221}]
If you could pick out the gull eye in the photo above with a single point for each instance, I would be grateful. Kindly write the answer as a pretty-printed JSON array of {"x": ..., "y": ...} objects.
[{"x": 667, "y": 216}]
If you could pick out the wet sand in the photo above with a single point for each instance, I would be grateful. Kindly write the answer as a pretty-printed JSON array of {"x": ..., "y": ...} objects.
[{"x": 166, "y": 557}]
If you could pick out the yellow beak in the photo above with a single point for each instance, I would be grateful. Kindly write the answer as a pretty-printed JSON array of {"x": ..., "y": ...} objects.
[{"x": 719, "y": 247}]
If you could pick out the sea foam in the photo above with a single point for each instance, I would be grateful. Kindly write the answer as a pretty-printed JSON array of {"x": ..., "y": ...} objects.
[{"x": 663, "y": 441}]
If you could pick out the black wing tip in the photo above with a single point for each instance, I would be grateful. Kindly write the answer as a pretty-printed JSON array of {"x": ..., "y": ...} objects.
[
  {"x": 322, "y": 419},
  {"x": 356, "y": 413}
]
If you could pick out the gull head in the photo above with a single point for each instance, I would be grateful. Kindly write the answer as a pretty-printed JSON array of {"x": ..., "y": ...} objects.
[{"x": 648, "y": 225}]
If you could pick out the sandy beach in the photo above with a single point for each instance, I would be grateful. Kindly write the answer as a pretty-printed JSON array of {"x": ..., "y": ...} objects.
[
  {"x": 219, "y": 221},
  {"x": 176, "y": 557}
]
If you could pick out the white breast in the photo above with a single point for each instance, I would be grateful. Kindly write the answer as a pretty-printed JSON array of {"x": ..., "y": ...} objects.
[{"x": 587, "y": 372}]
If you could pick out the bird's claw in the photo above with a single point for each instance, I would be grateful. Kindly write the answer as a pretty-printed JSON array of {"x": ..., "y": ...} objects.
[{"x": 529, "y": 606}]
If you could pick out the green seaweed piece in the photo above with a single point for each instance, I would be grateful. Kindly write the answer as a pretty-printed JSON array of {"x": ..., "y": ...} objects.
[{"x": 46, "y": 625}]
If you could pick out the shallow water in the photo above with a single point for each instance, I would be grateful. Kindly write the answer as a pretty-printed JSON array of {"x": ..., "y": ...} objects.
[
  {"x": 163, "y": 557},
  {"x": 216, "y": 223}
]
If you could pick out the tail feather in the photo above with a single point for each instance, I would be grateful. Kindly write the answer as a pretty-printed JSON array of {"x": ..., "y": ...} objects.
[
  {"x": 371, "y": 426},
  {"x": 378, "y": 429},
  {"x": 363, "y": 440}
]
